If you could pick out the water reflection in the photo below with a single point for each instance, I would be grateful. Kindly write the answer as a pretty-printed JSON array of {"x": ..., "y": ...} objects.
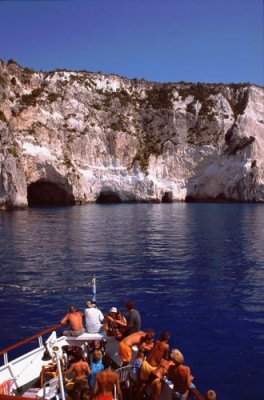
[{"x": 196, "y": 269}]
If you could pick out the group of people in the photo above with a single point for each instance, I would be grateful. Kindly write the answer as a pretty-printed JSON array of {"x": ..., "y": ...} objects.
[
  {"x": 94, "y": 381},
  {"x": 114, "y": 323},
  {"x": 154, "y": 364}
]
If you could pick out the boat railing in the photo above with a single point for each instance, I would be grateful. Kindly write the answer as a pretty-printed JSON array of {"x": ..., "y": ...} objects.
[{"x": 38, "y": 336}]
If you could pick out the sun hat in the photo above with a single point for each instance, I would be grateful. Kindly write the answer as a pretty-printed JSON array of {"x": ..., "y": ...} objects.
[{"x": 113, "y": 309}]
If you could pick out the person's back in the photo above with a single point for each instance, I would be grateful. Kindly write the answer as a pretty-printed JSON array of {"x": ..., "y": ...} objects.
[
  {"x": 80, "y": 369},
  {"x": 157, "y": 353},
  {"x": 160, "y": 350},
  {"x": 93, "y": 319},
  {"x": 105, "y": 382},
  {"x": 74, "y": 318},
  {"x": 125, "y": 350},
  {"x": 179, "y": 374},
  {"x": 134, "y": 338},
  {"x": 133, "y": 320}
]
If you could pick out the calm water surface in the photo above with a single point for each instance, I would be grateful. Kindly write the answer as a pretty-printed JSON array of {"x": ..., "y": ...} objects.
[{"x": 195, "y": 269}]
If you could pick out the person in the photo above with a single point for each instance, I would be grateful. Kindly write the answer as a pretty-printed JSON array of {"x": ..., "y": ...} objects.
[
  {"x": 93, "y": 317},
  {"x": 156, "y": 378},
  {"x": 105, "y": 382},
  {"x": 180, "y": 376},
  {"x": 137, "y": 338},
  {"x": 109, "y": 321},
  {"x": 133, "y": 320},
  {"x": 145, "y": 346},
  {"x": 85, "y": 394},
  {"x": 79, "y": 390},
  {"x": 119, "y": 325},
  {"x": 95, "y": 366},
  {"x": 79, "y": 369},
  {"x": 160, "y": 351},
  {"x": 74, "y": 318},
  {"x": 210, "y": 395}
]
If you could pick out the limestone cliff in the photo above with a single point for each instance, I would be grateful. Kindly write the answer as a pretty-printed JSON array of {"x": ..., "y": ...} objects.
[{"x": 76, "y": 137}]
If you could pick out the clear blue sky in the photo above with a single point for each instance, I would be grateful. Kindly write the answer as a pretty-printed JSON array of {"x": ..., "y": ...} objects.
[{"x": 159, "y": 40}]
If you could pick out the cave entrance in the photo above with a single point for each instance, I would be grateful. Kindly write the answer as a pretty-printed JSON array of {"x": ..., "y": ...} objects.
[
  {"x": 108, "y": 197},
  {"x": 45, "y": 194},
  {"x": 167, "y": 197}
]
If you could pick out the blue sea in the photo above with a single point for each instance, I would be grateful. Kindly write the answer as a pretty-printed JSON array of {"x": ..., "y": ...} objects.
[{"x": 195, "y": 269}]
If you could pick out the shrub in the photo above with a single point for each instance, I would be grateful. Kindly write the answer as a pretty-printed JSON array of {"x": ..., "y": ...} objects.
[
  {"x": 13, "y": 150},
  {"x": 53, "y": 97},
  {"x": 31, "y": 99},
  {"x": 240, "y": 144},
  {"x": 160, "y": 97},
  {"x": 29, "y": 70},
  {"x": 68, "y": 162},
  {"x": 11, "y": 61}
]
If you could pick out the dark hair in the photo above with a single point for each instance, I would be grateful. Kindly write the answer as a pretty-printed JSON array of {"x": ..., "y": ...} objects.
[
  {"x": 165, "y": 335},
  {"x": 129, "y": 305},
  {"x": 107, "y": 361},
  {"x": 150, "y": 332}
]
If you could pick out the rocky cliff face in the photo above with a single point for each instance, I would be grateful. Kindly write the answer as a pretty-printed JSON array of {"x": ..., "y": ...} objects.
[{"x": 76, "y": 137}]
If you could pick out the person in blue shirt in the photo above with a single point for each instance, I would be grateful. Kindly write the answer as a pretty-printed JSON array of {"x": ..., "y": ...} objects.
[{"x": 96, "y": 366}]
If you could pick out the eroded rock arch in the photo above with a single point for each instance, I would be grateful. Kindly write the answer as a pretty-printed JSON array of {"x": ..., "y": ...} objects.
[
  {"x": 107, "y": 197},
  {"x": 167, "y": 197},
  {"x": 44, "y": 194}
]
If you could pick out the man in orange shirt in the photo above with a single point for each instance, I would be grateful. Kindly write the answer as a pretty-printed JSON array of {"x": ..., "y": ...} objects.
[{"x": 137, "y": 338}]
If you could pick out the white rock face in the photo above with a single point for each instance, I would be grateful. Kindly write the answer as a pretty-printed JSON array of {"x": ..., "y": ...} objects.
[{"x": 84, "y": 134}]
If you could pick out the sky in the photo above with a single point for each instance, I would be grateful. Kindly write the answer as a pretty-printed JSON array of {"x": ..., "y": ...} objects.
[{"x": 158, "y": 40}]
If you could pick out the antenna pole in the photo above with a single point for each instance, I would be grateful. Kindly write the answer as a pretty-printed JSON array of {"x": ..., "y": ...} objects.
[{"x": 94, "y": 288}]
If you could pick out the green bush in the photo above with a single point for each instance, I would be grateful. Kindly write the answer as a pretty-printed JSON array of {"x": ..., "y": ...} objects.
[
  {"x": 13, "y": 150},
  {"x": 11, "y": 61},
  {"x": 31, "y": 99},
  {"x": 53, "y": 97},
  {"x": 160, "y": 97}
]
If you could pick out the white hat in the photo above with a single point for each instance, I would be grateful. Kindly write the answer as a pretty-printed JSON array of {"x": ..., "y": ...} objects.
[{"x": 113, "y": 309}]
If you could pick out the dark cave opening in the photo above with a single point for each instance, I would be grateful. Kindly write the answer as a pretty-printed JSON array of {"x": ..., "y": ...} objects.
[
  {"x": 167, "y": 197},
  {"x": 108, "y": 197},
  {"x": 45, "y": 194}
]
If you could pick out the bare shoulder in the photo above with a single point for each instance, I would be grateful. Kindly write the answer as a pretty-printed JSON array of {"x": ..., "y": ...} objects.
[
  {"x": 107, "y": 375},
  {"x": 85, "y": 364},
  {"x": 65, "y": 319},
  {"x": 114, "y": 376}
]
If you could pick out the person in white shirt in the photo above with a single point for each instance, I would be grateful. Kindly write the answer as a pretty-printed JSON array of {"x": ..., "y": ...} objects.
[{"x": 93, "y": 318}]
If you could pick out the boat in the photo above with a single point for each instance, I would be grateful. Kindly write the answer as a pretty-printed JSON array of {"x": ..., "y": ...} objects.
[{"x": 38, "y": 373}]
